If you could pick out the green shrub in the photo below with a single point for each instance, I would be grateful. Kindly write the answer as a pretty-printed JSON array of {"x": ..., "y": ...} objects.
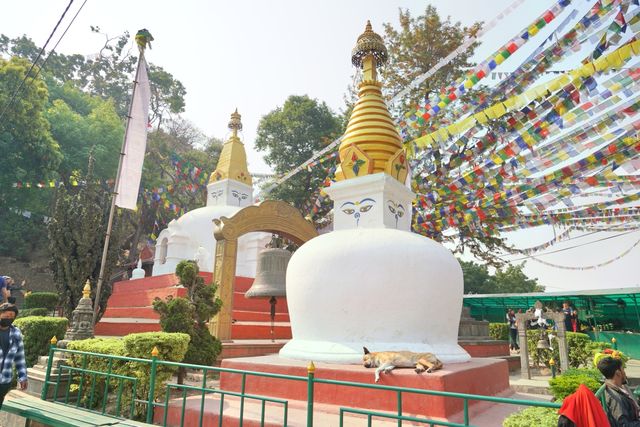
[
  {"x": 499, "y": 331},
  {"x": 204, "y": 347},
  {"x": 189, "y": 315},
  {"x": 567, "y": 383},
  {"x": 27, "y": 312},
  {"x": 47, "y": 300},
  {"x": 171, "y": 346},
  {"x": 37, "y": 332},
  {"x": 535, "y": 416}
]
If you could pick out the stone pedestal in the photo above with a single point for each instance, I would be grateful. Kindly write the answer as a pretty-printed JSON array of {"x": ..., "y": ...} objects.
[
  {"x": 471, "y": 329},
  {"x": 37, "y": 375},
  {"x": 473, "y": 336},
  {"x": 81, "y": 326}
]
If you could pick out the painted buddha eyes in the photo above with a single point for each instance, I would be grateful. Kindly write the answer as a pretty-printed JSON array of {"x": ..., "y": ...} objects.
[{"x": 357, "y": 208}]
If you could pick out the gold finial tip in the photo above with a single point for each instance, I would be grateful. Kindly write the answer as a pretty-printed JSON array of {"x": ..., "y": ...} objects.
[
  {"x": 311, "y": 368},
  {"x": 369, "y": 43},
  {"x": 86, "y": 291},
  {"x": 155, "y": 352},
  {"x": 236, "y": 121},
  {"x": 552, "y": 362},
  {"x": 54, "y": 340},
  {"x": 613, "y": 340}
]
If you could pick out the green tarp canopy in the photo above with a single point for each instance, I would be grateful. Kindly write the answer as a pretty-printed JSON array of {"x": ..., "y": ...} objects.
[{"x": 615, "y": 308}]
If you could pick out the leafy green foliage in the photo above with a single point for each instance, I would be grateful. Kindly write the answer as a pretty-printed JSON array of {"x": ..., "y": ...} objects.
[
  {"x": 535, "y": 416},
  {"x": 290, "y": 135},
  {"x": 499, "y": 331},
  {"x": 416, "y": 46},
  {"x": 21, "y": 236},
  {"x": 37, "y": 333},
  {"x": 29, "y": 152},
  {"x": 76, "y": 238},
  {"x": 172, "y": 347},
  {"x": 567, "y": 383},
  {"x": 28, "y": 312},
  {"x": 48, "y": 300},
  {"x": 81, "y": 123},
  {"x": 189, "y": 315},
  {"x": 478, "y": 280}
]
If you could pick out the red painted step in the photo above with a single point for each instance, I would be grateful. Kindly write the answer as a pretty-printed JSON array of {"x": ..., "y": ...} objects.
[
  {"x": 258, "y": 316},
  {"x": 141, "y": 312},
  {"x": 154, "y": 282},
  {"x": 143, "y": 298},
  {"x": 259, "y": 330},
  {"x": 124, "y": 328}
]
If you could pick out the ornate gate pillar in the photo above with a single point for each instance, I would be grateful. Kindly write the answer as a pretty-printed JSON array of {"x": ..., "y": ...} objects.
[{"x": 270, "y": 216}]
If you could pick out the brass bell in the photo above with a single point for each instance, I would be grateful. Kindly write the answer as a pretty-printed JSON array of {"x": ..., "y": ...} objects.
[
  {"x": 270, "y": 274},
  {"x": 543, "y": 342}
]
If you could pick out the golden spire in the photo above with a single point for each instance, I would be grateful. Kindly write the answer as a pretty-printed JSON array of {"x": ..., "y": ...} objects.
[
  {"x": 371, "y": 143},
  {"x": 233, "y": 159},
  {"x": 86, "y": 292}
]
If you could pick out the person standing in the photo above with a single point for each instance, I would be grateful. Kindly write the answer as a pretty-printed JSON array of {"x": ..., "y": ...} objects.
[
  {"x": 5, "y": 282},
  {"x": 566, "y": 309},
  {"x": 513, "y": 330},
  {"x": 11, "y": 351}
]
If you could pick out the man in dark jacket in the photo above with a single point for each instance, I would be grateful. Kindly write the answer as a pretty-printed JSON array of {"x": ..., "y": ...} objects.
[{"x": 623, "y": 409}]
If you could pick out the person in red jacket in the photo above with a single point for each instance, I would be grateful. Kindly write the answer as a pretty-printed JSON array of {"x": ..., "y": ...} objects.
[{"x": 582, "y": 409}]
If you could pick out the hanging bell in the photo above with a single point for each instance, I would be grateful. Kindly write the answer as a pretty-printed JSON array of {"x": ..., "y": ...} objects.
[
  {"x": 543, "y": 342},
  {"x": 270, "y": 274}
]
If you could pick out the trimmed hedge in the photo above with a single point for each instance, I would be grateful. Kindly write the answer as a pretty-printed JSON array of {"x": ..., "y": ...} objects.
[
  {"x": 535, "y": 416},
  {"x": 171, "y": 346},
  {"x": 37, "y": 332},
  {"x": 27, "y": 312},
  {"x": 567, "y": 383},
  {"x": 499, "y": 331},
  {"x": 48, "y": 300}
]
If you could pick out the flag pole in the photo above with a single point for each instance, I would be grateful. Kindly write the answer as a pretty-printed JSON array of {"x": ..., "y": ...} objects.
[{"x": 105, "y": 249}]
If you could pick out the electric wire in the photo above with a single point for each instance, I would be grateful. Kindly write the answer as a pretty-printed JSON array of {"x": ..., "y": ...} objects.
[
  {"x": 58, "y": 42},
  {"x": 574, "y": 247},
  {"x": 26, "y": 76}
]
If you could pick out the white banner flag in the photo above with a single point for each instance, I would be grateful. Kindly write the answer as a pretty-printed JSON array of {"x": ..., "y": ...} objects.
[{"x": 135, "y": 142}]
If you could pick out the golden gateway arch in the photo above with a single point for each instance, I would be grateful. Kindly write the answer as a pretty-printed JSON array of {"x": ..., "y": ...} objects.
[{"x": 269, "y": 216}]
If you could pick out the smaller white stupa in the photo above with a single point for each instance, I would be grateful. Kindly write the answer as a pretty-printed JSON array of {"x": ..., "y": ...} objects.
[{"x": 190, "y": 237}]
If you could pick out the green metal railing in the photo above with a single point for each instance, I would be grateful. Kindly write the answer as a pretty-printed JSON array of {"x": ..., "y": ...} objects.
[{"x": 116, "y": 389}]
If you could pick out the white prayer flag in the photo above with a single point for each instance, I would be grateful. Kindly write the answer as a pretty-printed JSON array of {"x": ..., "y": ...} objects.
[{"x": 135, "y": 142}]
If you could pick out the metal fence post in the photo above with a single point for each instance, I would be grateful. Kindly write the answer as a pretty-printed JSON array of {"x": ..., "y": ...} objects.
[
  {"x": 311, "y": 370},
  {"x": 45, "y": 386},
  {"x": 152, "y": 384}
]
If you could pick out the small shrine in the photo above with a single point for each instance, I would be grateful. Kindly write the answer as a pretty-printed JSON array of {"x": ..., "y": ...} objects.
[{"x": 229, "y": 190}]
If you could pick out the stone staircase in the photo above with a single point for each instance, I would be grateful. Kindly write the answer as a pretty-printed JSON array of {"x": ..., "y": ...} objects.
[{"x": 129, "y": 310}]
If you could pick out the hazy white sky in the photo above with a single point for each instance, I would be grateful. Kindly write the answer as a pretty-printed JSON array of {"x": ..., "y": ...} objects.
[{"x": 254, "y": 54}]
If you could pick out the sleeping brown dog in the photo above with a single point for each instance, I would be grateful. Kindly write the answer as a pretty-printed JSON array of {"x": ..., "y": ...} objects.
[{"x": 386, "y": 361}]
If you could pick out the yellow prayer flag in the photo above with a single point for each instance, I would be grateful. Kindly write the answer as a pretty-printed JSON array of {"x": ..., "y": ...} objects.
[{"x": 481, "y": 117}]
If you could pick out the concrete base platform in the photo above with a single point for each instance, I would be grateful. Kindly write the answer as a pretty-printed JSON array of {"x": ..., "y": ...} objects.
[
  {"x": 482, "y": 376},
  {"x": 479, "y": 376}
]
